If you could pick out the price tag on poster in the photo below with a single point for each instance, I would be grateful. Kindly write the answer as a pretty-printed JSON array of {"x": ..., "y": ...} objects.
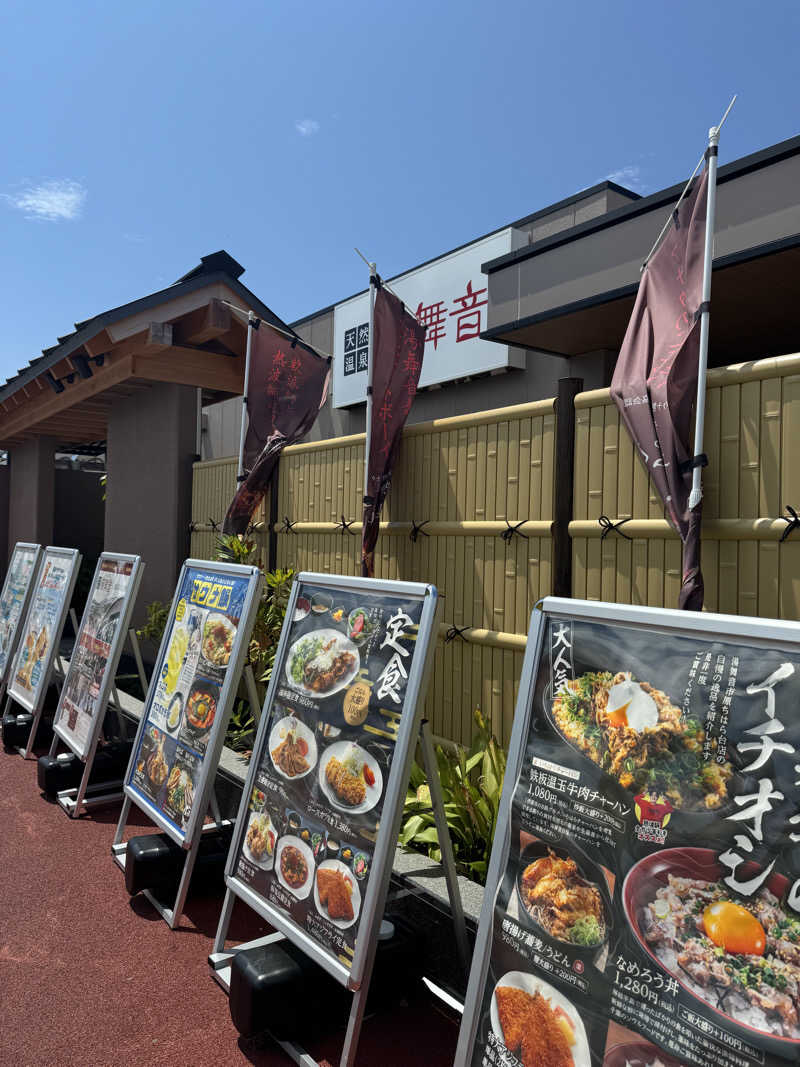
[
  {"x": 98, "y": 646},
  {"x": 199, "y": 664},
  {"x": 317, "y": 827},
  {"x": 14, "y": 600},
  {"x": 643, "y": 897},
  {"x": 40, "y": 635}
]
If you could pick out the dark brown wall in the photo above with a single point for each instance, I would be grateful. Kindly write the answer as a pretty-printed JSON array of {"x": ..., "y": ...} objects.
[{"x": 79, "y": 520}]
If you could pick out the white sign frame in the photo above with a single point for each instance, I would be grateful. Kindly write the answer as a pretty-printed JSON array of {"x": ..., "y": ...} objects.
[
  {"x": 224, "y": 704},
  {"x": 356, "y": 978},
  {"x": 772, "y": 633},
  {"x": 35, "y": 705},
  {"x": 12, "y": 648},
  {"x": 97, "y": 714}
]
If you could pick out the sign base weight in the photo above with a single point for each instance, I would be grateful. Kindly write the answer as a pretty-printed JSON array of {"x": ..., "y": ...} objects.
[{"x": 96, "y": 796}]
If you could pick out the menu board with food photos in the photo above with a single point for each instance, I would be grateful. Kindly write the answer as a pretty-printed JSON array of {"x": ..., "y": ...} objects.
[
  {"x": 322, "y": 793},
  {"x": 188, "y": 704},
  {"x": 643, "y": 900},
  {"x": 41, "y": 632},
  {"x": 97, "y": 650},
  {"x": 16, "y": 590}
]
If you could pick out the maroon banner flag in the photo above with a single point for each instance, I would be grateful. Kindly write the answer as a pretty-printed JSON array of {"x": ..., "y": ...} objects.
[
  {"x": 397, "y": 347},
  {"x": 655, "y": 379},
  {"x": 287, "y": 385}
]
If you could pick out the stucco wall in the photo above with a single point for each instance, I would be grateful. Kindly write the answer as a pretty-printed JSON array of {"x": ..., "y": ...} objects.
[
  {"x": 152, "y": 441},
  {"x": 537, "y": 381},
  {"x": 32, "y": 491}
]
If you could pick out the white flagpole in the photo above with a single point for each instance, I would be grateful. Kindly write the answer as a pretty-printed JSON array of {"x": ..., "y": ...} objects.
[
  {"x": 696, "y": 494},
  {"x": 251, "y": 320},
  {"x": 373, "y": 275}
]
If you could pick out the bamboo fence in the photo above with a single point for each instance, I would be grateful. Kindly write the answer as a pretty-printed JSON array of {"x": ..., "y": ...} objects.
[
  {"x": 751, "y": 440},
  {"x": 467, "y": 478}
]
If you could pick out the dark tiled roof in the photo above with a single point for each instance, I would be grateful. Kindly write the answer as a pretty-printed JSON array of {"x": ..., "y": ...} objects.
[{"x": 217, "y": 266}]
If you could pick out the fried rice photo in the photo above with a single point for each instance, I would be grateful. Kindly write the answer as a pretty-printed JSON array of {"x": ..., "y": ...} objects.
[{"x": 636, "y": 734}]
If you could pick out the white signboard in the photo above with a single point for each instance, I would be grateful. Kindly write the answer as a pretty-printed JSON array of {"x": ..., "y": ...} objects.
[{"x": 450, "y": 296}]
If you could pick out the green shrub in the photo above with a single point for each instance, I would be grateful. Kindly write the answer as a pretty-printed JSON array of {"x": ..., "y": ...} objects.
[
  {"x": 263, "y": 642},
  {"x": 472, "y": 784}
]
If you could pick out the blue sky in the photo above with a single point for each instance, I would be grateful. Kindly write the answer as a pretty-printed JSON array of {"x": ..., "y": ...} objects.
[{"x": 138, "y": 137}]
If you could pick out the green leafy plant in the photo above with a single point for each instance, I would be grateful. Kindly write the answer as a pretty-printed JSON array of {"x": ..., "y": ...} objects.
[
  {"x": 265, "y": 636},
  {"x": 241, "y": 729},
  {"x": 472, "y": 784},
  {"x": 234, "y": 549},
  {"x": 269, "y": 622},
  {"x": 153, "y": 628}
]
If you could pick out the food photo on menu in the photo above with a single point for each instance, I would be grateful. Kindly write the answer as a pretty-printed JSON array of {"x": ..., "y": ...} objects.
[
  {"x": 13, "y": 597},
  {"x": 87, "y": 668},
  {"x": 37, "y": 640},
  {"x": 181, "y": 715},
  {"x": 326, "y": 759},
  {"x": 653, "y": 873}
]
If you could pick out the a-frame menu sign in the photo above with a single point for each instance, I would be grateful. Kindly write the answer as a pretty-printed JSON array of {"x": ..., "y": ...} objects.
[{"x": 317, "y": 828}]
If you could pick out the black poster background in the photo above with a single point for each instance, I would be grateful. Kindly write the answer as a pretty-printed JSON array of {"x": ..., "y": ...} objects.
[
  {"x": 622, "y": 994},
  {"x": 300, "y": 807}
]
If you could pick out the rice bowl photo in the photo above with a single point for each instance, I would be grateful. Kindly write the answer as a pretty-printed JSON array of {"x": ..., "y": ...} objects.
[{"x": 739, "y": 957}]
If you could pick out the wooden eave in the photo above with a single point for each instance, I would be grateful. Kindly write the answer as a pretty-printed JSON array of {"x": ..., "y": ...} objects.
[{"x": 203, "y": 348}]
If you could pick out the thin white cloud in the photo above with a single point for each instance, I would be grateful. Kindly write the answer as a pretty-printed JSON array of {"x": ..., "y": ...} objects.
[
  {"x": 135, "y": 238},
  {"x": 306, "y": 127},
  {"x": 54, "y": 200},
  {"x": 630, "y": 177}
]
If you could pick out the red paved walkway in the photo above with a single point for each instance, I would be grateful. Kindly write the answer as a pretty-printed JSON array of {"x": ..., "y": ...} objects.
[{"x": 90, "y": 976}]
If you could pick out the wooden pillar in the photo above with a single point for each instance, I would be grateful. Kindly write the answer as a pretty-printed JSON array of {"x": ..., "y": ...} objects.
[
  {"x": 568, "y": 388},
  {"x": 272, "y": 552}
]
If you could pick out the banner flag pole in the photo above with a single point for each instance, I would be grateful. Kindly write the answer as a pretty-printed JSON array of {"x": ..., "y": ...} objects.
[
  {"x": 373, "y": 280},
  {"x": 696, "y": 494},
  {"x": 242, "y": 426}
]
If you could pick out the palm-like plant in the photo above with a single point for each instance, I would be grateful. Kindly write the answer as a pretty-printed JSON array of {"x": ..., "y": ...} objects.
[{"x": 472, "y": 784}]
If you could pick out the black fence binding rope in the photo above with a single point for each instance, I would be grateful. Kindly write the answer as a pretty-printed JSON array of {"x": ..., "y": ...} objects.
[
  {"x": 344, "y": 526},
  {"x": 416, "y": 529},
  {"x": 508, "y": 533},
  {"x": 455, "y": 632},
  {"x": 288, "y": 527},
  {"x": 609, "y": 527},
  {"x": 791, "y": 524}
]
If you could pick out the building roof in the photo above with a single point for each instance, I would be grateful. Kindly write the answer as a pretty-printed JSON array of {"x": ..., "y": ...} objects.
[
  {"x": 184, "y": 334},
  {"x": 215, "y": 267},
  {"x": 519, "y": 224}
]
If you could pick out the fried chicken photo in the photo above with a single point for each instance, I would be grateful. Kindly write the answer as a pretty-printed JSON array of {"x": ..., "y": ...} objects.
[
  {"x": 348, "y": 787},
  {"x": 533, "y": 1030},
  {"x": 335, "y": 893},
  {"x": 512, "y": 1007}
]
